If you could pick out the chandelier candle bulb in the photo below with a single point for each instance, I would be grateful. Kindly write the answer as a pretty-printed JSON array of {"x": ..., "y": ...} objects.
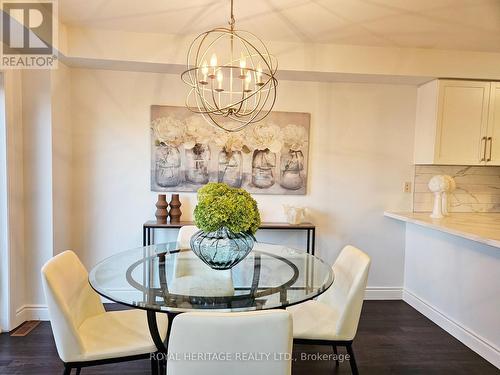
[
  {"x": 220, "y": 77},
  {"x": 243, "y": 65},
  {"x": 204, "y": 72},
  {"x": 213, "y": 64},
  {"x": 248, "y": 79},
  {"x": 258, "y": 76}
]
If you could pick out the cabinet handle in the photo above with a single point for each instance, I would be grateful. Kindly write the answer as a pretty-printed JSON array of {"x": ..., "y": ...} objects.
[
  {"x": 484, "y": 140},
  {"x": 490, "y": 139}
]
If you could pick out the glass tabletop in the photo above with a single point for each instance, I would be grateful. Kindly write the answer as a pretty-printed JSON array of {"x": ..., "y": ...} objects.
[{"x": 165, "y": 277}]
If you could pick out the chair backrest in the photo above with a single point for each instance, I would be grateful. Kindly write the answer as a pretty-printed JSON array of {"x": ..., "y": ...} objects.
[
  {"x": 234, "y": 335},
  {"x": 187, "y": 263},
  {"x": 185, "y": 234},
  {"x": 70, "y": 301},
  {"x": 347, "y": 292}
]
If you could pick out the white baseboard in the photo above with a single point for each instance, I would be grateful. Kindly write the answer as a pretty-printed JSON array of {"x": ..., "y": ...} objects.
[
  {"x": 383, "y": 293},
  {"x": 32, "y": 312},
  {"x": 475, "y": 342}
]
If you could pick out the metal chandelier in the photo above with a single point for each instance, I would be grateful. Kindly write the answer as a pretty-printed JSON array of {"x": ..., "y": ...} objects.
[{"x": 232, "y": 77}]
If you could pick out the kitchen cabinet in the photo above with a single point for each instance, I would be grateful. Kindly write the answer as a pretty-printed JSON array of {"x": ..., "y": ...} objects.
[
  {"x": 458, "y": 123},
  {"x": 493, "y": 133}
]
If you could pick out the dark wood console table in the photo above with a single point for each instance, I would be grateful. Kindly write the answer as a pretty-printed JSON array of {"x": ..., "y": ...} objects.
[{"x": 310, "y": 229}]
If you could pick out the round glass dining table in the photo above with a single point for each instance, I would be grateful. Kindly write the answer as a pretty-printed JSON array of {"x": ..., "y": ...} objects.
[{"x": 167, "y": 278}]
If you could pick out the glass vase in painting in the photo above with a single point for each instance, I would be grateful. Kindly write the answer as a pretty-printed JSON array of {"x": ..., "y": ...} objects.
[
  {"x": 197, "y": 163},
  {"x": 292, "y": 167},
  {"x": 168, "y": 166},
  {"x": 230, "y": 168},
  {"x": 263, "y": 168}
]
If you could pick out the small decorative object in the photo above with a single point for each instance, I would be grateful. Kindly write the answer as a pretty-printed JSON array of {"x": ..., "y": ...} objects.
[
  {"x": 269, "y": 157},
  {"x": 438, "y": 185},
  {"x": 294, "y": 215},
  {"x": 161, "y": 209},
  {"x": 175, "y": 209},
  {"x": 228, "y": 219},
  {"x": 452, "y": 185},
  {"x": 224, "y": 87},
  {"x": 168, "y": 133}
]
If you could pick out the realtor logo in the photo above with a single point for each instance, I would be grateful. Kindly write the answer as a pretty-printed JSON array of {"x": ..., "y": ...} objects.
[{"x": 29, "y": 34}]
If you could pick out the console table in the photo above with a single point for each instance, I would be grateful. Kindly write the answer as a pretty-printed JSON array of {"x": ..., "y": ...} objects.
[{"x": 309, "y": 229}]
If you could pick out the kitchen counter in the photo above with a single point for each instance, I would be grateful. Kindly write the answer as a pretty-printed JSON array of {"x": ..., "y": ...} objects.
[
  {"x": 451, "y": 273},
  {"x": 479, "y": 227}
]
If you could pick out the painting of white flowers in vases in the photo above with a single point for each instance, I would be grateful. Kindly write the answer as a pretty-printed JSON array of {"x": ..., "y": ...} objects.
[{"x": 268, "y": 157}]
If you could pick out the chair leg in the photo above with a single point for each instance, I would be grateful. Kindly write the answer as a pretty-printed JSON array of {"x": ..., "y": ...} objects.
[
  {"x": 67, "y": 370},
  {"x": 78, "y": 370},
  {"x": 352, "y": 360},
  {"x": 163, "y": 367},
  {"x": 154, "y": 366},
  {"x": 336, "y": 355}
]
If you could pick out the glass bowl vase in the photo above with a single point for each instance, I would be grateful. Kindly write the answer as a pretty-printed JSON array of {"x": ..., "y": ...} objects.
[{"x": 222, "y": 249}]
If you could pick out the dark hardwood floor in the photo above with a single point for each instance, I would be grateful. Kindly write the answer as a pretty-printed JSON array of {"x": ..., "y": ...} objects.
[{"x": 392, "y": 338}]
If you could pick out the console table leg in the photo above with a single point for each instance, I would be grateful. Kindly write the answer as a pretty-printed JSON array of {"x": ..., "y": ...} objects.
[
  {"x": 149, "y": 237},
  {"x": 308, "y": 246},
  {"x": 313, "y": 241}
]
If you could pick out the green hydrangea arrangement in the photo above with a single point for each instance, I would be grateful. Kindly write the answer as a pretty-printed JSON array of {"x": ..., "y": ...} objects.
[{"x": 220, "y": 205}]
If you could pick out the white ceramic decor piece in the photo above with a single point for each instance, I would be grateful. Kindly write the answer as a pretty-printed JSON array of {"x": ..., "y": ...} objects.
[
  {"x": 294, "y": 215},
  {"x": 452, "y": 185},
  {"x": 438, "y": 185},
  {"x": 476, "y": 188}
]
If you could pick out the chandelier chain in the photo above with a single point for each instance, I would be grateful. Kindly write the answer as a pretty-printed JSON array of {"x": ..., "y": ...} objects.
[{"x": 232, "y": 22}]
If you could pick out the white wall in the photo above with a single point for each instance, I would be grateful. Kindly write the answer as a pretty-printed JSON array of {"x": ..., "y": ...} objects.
[
  {"x": 4, "y": 217},
  {"x": 62, "y": 158},
  {"x": 13, "y": 283},
  {"x": 455, "y": 282},
  {"x": 37, "y": 175},
  {"x": 38, "y": 183},
  {"x": 361, "y": 153}
]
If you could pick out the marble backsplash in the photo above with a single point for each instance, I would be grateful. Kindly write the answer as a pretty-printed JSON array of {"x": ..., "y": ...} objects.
[{"x": 478, "y": 188}]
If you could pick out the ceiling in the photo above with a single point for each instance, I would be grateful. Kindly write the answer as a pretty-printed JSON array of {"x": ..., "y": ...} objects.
[{"x": 471, "y": 25}]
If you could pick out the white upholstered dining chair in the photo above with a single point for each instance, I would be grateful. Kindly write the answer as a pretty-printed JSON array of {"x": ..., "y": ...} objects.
[
  {"x": 193, "y": 277},
  {"x": 234, "y": 335},
  {"x": 185, "y": 234},
  {"x": 333, "y": 318},
  {"x": 85, "y": 334}
]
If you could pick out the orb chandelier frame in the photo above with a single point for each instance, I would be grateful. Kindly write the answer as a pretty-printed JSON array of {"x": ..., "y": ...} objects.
[{"x": 249, "y": 93}]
